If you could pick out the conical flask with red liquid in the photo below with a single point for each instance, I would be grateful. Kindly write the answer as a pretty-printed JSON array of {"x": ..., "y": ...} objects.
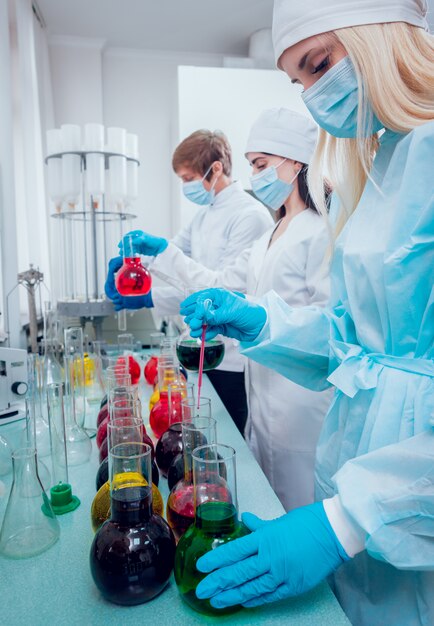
[
  {"x": 216, "y": 520},
  {"x": 132, "y": 553},
  {"x": 133, "y": 278},
  {"x": 197, "y": 432}
]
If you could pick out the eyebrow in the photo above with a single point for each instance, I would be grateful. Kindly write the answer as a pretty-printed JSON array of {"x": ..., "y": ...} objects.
[{"x": 257, "y": 159}]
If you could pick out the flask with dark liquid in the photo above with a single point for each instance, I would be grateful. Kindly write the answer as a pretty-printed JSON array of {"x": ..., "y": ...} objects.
[
  {"x": 132, "y": 554},
  {"x": 180, "y": 503},
  {"x": 216, "y": 520},
  {"x": 188, "y": 352}
]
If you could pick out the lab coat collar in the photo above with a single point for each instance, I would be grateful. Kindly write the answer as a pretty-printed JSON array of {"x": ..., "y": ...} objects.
[{"x": 225, "y": 194}]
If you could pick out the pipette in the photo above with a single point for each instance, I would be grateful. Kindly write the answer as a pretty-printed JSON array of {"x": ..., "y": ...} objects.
[{"x": 206, "y": 304}]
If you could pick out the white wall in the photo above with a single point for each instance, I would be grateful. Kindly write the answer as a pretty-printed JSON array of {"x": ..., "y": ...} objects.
[{"x": 230, "y": 100}]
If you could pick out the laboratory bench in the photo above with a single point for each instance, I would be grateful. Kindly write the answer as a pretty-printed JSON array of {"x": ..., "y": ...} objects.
[{"x": 56, "y": 587}]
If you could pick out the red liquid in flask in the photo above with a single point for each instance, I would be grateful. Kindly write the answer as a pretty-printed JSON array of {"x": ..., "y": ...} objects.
[
  {"x": 151, "y": 370},
  {"x": 133, "y": 279},
  {"x": 133, "y": 368},
  {"x": 168, "y": 446}
]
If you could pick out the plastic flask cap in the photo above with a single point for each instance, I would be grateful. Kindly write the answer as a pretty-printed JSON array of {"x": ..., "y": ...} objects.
[{"x": 62, "y": 500}]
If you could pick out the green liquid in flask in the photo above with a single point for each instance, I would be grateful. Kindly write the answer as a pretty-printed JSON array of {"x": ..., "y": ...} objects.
[{"x": 216, "y": 523}]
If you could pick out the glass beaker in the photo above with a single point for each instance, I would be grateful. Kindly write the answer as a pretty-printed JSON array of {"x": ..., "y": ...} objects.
[
  {"x": 188, "y": 352},
  {"x": 216, "y": 520},
  {"x": 133, "y": 278},
  {"x": 126, "y": 349},
  {"x": 132, "y": 554},
  {"x": 180, "y": 503},
  {"x": 27, "y": 530}
]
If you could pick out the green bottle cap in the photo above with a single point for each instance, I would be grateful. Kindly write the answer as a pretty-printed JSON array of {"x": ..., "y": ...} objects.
[{"x": 62, "y": 500}]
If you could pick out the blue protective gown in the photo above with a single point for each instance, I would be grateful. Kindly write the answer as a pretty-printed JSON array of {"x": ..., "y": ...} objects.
[{"x": 374, "y": 342}]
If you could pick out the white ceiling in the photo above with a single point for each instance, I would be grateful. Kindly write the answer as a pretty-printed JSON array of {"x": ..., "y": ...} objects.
[
  {"x": 211, "y": 26},
  {"x": 207, "y": 26}
]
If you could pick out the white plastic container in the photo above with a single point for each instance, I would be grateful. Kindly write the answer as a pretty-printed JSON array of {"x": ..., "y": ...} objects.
[
  {"x": 71, "y": 164},
  {"x": 54, "y": 168},
  {"x": 95, "y": 164}
]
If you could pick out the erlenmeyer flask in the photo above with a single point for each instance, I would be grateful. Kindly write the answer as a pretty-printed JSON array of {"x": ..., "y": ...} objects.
[
  {"x": 180, "y": 503},
  {"x": 216, "y": 520},
  {"x": 27, "y": 530},
  {"x": 31, "y": 441},
  {"x": 132, "y": 554},
  {"x": 133, "y": 278}
]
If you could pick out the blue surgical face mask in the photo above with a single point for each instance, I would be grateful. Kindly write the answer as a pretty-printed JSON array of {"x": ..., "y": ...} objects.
[
  {"x": 270, "y": 189},
  {"x": 196, "y": 192},
  {"x": 333, "y": 102}
]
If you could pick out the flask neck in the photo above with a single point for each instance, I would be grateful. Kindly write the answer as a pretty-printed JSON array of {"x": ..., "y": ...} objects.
[
  {"x": 131, "y": 505},
  {"x": 216, "y": 518}
]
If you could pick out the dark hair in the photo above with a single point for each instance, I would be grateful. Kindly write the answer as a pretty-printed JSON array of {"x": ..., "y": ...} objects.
[{"x": 303, "y": 190}]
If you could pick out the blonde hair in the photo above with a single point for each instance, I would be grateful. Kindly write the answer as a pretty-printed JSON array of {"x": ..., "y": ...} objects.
[{"x": 394, "y": 65}]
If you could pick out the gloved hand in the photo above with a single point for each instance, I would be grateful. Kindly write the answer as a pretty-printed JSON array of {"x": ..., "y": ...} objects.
[
  {"x": 281, "y": 558},
  {"x": 230, "y": 315},
  {"x": 123, "y": 302},
  {"x": 144, "y": 243}
]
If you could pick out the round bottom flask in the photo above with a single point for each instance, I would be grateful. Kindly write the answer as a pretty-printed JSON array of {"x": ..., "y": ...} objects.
[{"x": 132, "y": 554}]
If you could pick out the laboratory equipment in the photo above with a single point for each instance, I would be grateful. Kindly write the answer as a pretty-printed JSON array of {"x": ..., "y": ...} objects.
[
  {"x": 132, "y": 554},
  {"x": 40, "y": 429},
  {"x": 151, "y": 367},
  {"x": 168, "y": 373},
  {"x": 190, "y": 408},
  {"x": 27, "y": 530},
  {"x": 170, "y": 442},
  {"x": 199, "y": 431},
  {"x": 102, "y": 474},
  {"x": 216, "y": 519},
  {"x": 5, "y": 457},
  {"x": 90, "y": 216},
  {"x": 206, "y": 305},
  {"x": 78, "y": 443},
  {"x": 188, "y": 352},
  {"x": 126, "y": 345},
  {"x": 133, "y": 278},
  {"x": 75, "y": 373},
  {"x": 13, "y": 384},
  {"x": 176, "y": 470}
]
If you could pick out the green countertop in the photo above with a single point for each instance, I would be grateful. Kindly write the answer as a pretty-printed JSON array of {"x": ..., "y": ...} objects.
[{"x": 56, "y": 587}]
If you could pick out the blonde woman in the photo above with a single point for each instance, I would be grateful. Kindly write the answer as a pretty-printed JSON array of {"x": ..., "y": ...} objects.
[{"x": 364, "y": 66}]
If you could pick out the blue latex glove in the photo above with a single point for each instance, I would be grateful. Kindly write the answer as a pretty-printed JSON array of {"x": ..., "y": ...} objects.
[
  {"x": 281, "y": 558},
  {"x": 144, "y": 243},
  {"x": 230, "y": 315},
  {"x": 123, "y": 302}
]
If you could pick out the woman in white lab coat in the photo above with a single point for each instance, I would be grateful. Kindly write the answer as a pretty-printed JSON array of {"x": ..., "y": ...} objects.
[{"x": 284, "y": 419}]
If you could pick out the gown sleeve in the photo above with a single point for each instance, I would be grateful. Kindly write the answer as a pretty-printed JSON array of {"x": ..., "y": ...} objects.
[
  {"x": 294, "y": 342},
  {"x": 181, "y": 268}
]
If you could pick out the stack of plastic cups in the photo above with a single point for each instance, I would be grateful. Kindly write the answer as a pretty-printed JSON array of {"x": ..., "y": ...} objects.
[
  {"x": 71, "y": 164},
  {"x": 95, "y": 165}
]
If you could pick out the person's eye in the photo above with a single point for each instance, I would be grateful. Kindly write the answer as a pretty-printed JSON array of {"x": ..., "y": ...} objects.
[{"x": 325, "y": 63}]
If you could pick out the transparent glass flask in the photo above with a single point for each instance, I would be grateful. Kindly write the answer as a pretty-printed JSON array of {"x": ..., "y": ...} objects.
[
  {"x": 180, "y": 503},
  {"x": 188, "y": 352},
  {"x": 75, "y": 372},
  {"x": 133, "y": 278},
  {"x": 216, "y": 520},
  {"x": 77, "y": 441},
  {"x": 161, "y": 414},
  {"x": 132, "y": 554},
  {"x": 36, "y": 407},
  {"x": 151, "y": 367},
  {"x": 121, "y": 430},
  {"x": 29, "y": 526}
]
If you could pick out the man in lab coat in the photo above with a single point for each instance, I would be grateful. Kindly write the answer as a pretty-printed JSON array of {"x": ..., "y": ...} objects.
[{"x": 228, "y": 221}]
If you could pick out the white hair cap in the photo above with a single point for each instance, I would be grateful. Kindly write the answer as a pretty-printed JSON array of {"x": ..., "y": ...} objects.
[
  {"x": 283, "y": 133},
  {"x": 296, "y": 20}
]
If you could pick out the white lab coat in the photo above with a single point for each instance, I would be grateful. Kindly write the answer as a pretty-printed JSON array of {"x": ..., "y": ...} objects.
[
  {"x": 284, "y": 418},
  {"x": 215, "y": 237}
]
